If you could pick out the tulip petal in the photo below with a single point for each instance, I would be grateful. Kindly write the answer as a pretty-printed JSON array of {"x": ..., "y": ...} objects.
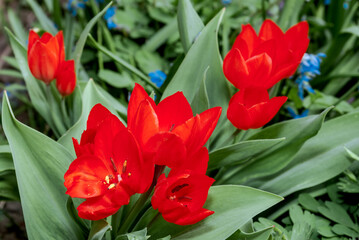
[
  {"x": 97, "y": 116},
  {"x": 297, "y": 39},
  {"x": 167, "y": 149},
  {"x": 246, "y": 41},
  {"x": 264, "y": 112},
  {"x": 138, "y": 95},
  {"x": 196, "y": 131},
  {"x": 193, "y": 217},
  {"x": 33, "y": 37},
  {"x": 136, "y": 173},
  {"x": 235, "y": 68},
  {"x": 66, "y": 78},
  {"x": 173, "y": 111},
  {"x": 238, "y": 114},
  {"x": 60, "y": 39},
  {"x": 98, "y": 208},
  {"x": 259, "y": 68},
  {"x": 85, "y": 177},
  {"x": 145, "y": 123},
  {"x": 270, "y": 30}
]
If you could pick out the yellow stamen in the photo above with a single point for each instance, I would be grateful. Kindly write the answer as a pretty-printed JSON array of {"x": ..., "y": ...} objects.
[{"x": 112, "y": 185}]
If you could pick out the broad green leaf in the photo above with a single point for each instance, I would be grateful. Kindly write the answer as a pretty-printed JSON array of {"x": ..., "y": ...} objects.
[
  {"x": 98, "y": 229},
  {"x": 203, "y": 53},
  {"x": 138, "y": 235},
  {"x": 45, "y": 22},
  {"x": 83, "y": 37},
  {"x": 10, "y": 73},
  {"x": 239, "y": 152},
  {"x": 296, "y": 132},
  {"x": 200, "y": 102},
  {"x": 82, "y": 223},
  {"x": 90, "y": 97},
  {"x": 189, "y": 24},
  {"x": 233, "y": 207},
  {"x": 118, "y": 80},
  {"x": 40, "y": 164},
  {"x": 320, "y": 159}
]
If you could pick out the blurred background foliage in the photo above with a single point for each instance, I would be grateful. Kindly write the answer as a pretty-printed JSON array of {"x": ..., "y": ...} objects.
[{"x": 138, "y": 41}]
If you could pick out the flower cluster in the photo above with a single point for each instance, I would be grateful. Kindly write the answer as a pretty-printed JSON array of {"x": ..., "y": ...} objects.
[
  {"x": 256, "y": 63},
  {"x": 46, "y": 59},
  {"x": 114, "y": 162},
  {"x": 308, "y": 69}
]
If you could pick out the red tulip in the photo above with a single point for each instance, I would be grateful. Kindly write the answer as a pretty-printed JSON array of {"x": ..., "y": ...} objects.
[
  {"x": 109, "y": 168},
  {"x": 181, "y": 196},
  {"x": 263, "y": 60},
  {"x": 66, "y": 78},
  {"x": 252, "y": 108},
  {"x": 169, "y": 130},
  {"x": 45, "y": 55}
]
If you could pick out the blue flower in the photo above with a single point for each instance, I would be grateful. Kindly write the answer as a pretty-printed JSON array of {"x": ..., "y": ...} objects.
[
  {"x": 294, "y": 115},
  {"x": 157, "y": 77},
  {"x": 345, "y": 5},
  {"x": 226, "y": 2},
  {"x": 110, "y": 13},
  {"x": 326, "y": 2},
  {"x": 308, "y": 69}
]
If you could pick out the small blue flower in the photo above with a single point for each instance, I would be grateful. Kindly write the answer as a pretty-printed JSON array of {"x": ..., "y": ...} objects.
[
  {"x": 345, "y": 5},
  {"x": 110, "y": 13},
  {"x": 226, "y": 2},
  {"x": 294, "y": 115},
  {"x": 326, "y": 2},
  {"x": 308, "y": 69},
  {"x": 157, "y": 77}
]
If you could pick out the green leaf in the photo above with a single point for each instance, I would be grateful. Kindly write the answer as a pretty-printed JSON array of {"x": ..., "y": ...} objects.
[
  {"x": 320, "y": 159},
  {"x": 337, "y": 213},
  {"x": 343, "y": 230},
  {"x": 40, "y": 164},
  {"x": 203, "y": 53},
  {"x": 200, "y": 102},
  {"x": 6, "y": 162},
  {"x": 262, "y": 234},
  {"x": 118, "y": 80},
  {"x": 239, "y": 152},
  {"x": 83, "y": 37},
  {"x": 189, "y": 23},
  {"x": 233, "y": 207},
  {"x": 308, "y": 202},
  {"x": 17, "y": 26},
  {"x": 98, "y": 229},
  {"x": 90, "y": 97},
  {"x": 8, "y": 186},
  {"x": 138, "y": 235},
  {"x": 45, "y": 22},
  {"x": 296, "y": 132}
]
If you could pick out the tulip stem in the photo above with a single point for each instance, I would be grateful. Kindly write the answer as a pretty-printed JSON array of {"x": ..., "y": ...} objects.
[
  {"x": 65, "y": 114},
  {"x": 136, "y": 209},
  {"x": 115, "y": 222}
]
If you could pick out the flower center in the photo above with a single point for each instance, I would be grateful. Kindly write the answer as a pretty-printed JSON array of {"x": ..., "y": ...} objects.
[{"x": 111, "y": 180}]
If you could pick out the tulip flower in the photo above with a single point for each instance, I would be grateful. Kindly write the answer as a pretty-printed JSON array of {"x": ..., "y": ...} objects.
[
  {"x": 45, "y": 55},
  {"x": 169, "y": 130},
  {"x": 181, "y": 196},
  {"x": 46, "y": 59},
  {"x": 263, "y": 60},
  {"x": 109, "y": 167},
  {"x": 252, "y": 108}
]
